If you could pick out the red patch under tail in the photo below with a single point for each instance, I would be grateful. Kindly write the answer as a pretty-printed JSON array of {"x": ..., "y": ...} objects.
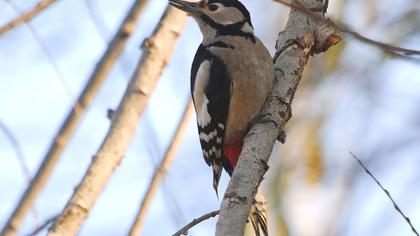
[{"x": 232, "y": 150}]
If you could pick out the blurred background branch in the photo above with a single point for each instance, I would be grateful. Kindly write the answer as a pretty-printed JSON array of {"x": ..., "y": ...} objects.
[
  {"x": 27, "y": 16},
  {"x": 45, "y": 49},
  {"x": 20, "y": 156},
  {"x": 395, "y": 205},
  {"x": 157, "y": 51},
  {"x": 393, "y": 50},
  {"x": 70, "y": 124},
  {"x": 162, "y": 170}
]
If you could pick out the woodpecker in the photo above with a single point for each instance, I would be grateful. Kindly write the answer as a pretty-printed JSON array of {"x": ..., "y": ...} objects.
[{"x": 232, "y": 75}]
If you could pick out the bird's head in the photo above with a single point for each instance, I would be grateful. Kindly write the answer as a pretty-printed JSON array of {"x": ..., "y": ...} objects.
[{"x": 220, "y": 17}]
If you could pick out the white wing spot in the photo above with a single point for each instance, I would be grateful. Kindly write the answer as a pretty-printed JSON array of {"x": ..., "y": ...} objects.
[
  {"x": 204, "y": 137},
  {"x": 205, "y": 154},
  {"x": 203, "y": 114},
  {"x": 200, "y": 98},
  {"x": 207, "y": 137}
]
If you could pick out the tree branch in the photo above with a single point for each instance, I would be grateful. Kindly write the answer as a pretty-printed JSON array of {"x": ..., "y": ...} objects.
[
  {"x": 43, "y": 226},
  {"x": 67, "y": 129},
  {"x": 184, "y": 230},
  {"x": 161, "y": 171},
  {"x": 17, "y": 148},
  {"x": 393, "y": 50},
  {"x": 44, "y": 47},
  {"x": 27, "y": 16},
  {"x": 302, "y": 37},
  {"x": 397, "y": 208},
  {"x": 157, "y": 50}
]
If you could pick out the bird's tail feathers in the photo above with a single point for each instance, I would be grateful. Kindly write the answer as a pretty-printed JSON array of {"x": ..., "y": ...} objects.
[{"x": 258, "y": 217}]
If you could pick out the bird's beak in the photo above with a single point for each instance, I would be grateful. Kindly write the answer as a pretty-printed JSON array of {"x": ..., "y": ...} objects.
[{"x": 189, "y": 7}]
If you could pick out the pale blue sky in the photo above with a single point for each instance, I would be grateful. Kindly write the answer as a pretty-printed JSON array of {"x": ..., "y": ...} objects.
[{"x": 374, "y": 105}]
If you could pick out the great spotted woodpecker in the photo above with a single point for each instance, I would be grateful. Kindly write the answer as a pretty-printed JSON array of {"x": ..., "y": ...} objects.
[{"x": 231, "y": 76}]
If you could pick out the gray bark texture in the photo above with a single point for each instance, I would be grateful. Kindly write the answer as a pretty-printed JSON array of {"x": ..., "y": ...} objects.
[{"x": 302, "y": 37}]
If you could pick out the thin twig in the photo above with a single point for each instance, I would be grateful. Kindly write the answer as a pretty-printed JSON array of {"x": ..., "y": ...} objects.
[
  {"x": 97, "y": 19},
  {"x": 21, "y": 159},
  {"x": 394, "y": 50},
  {"x": 43, "y": 226},
  {"x": 17, "y": 149},
  {"x": 27, "y": 16},
  {"x": 184, "y": 230},
  {"x": 46, "y": 51},
  {"x": 156, "y": 53},
  {"x": 68, "y": 128},
  {"x": 153, "y": 150},
  {"x": 386, "y": 192},
  {"x": 161, "y": 171},
  {"x": 103, "y": 31}
]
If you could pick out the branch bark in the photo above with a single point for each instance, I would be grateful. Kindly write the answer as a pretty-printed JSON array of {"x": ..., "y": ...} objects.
[
  {"x": 27, "y": 16},
  {"x": 68, "y": 127},
  {"x": 157, "y": 50},
  {"x": 161, "y": 171},
  {"x": 303, "y": 36}
]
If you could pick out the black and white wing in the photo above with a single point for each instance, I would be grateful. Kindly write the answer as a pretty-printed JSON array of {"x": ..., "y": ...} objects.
[{"x": 210, "y": 89}]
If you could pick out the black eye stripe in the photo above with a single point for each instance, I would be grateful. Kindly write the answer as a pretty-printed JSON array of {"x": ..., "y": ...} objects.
[{"x": 213, "y": 7}]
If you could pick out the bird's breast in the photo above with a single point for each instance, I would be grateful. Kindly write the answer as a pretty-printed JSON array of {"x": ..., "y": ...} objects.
[{"x": 251, "y": 73}]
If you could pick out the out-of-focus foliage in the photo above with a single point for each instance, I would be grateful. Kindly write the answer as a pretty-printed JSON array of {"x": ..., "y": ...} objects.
[{"x": 354, "y": 98}]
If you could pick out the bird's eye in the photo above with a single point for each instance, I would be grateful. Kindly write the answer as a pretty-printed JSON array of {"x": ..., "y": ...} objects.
[{"x": 213, "y": 7}]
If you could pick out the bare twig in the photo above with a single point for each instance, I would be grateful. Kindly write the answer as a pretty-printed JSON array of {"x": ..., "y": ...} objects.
[
  {"x": 43, "y": 226},
  {"x": 67, "y": 129},
  {"x": 153, "y": 149},
  {"x": 302, "y": 37},
  {"x": 103, "y": 31},
  {"x": 386, "y": 192},
  {"x": 17, "y": 149},
  {"x": 21, "y": 159},
  {"x": 393, "y": 50},
  {"x": 27, "y": 16},
  {"x": 161, "y": 171},
  {"x": 157, "y": 51},
  {"x": 46, "y": 51},
  {"x": 96, "y": 19},
  {"x": 184, "y": 230}
]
